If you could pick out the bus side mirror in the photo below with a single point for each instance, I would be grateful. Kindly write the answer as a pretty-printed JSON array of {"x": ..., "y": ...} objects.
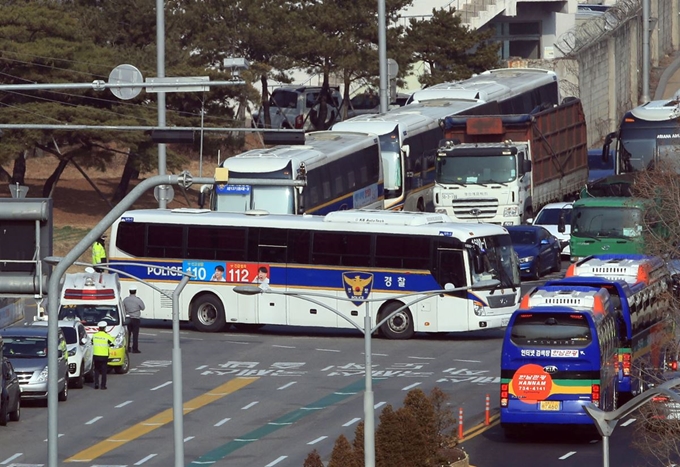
[
  {"x": 526, "y": 166},
  {"x": 607, "y": 143},
  {"x": 201, "y": 195}
]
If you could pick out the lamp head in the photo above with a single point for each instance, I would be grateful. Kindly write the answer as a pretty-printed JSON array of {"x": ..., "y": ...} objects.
[{"x": 247, "y": 290}]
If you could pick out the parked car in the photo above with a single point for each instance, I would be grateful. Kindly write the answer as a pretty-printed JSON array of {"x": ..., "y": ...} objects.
[
  {"x": 538, "y": 250},
  {"x": 556, "y": 219},
  {"x": 10, "y": 402},
  {"x": 597, "y": 168},
  {"x": 79, "y": 345},
  {"x": 294, "y": 107},
  {"x": 26, "y": 349}
]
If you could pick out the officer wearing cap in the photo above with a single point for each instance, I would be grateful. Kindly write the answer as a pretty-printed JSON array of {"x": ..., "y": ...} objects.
[
  {"x": 133, "y": 306},
  {"x": 99, "y": 252},
  {"x": 101, "y": 342}
]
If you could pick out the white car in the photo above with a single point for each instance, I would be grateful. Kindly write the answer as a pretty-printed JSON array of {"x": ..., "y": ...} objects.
[
  {"x": 550, "y": 217},
  {"x": 79, "y": 345}
]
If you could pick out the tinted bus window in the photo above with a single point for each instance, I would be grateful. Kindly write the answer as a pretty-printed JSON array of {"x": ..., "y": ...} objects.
[{"x": 551, "y": 329}]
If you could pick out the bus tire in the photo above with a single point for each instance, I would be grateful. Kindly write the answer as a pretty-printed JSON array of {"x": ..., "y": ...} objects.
[
  {"x": 399, "y": 326},
  {"x": 207, "y": 313}
]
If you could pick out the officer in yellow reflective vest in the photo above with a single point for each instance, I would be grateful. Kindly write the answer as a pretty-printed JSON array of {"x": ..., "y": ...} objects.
[
  {"x": 101, "y": 342},
  {"x": 99, "y": 252}
]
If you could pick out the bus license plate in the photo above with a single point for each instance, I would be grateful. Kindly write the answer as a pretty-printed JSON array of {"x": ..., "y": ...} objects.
[{"x": 550, "y": 405}]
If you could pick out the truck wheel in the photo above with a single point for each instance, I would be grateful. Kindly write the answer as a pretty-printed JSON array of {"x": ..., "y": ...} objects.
[
  {"x": 207, "y": 314},
  {"x": 399, "y": 326}
]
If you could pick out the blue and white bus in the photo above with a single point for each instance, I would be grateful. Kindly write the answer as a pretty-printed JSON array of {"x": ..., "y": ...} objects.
[
  {"x": 559, "y": 353},
  {"x": 365, "y": 253},
  {"x": 342, "y": 170}
]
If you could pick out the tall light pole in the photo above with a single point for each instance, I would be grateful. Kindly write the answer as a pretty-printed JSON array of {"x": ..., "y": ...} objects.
[
  {"x": 382, "y": 55},
  {"x": 367, "y": 329},
  {"x": 177, "y": 411},
  {"x": 160, "y": 71}
]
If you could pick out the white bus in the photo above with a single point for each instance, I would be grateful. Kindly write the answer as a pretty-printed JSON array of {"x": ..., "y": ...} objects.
[
  {"x": 387, "y": 255},
  {"x": 342, "y": 170},
  {"x": 410, "y": 135}
]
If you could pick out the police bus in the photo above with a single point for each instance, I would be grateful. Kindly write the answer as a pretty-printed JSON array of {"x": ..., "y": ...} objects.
[
  {"x": 410, "y": 135},
  {"x": 640, "y": 289},
  {"x": 559, "y": 353},
  {"x": 345, "y": 255},
  {"x": 342, "y": 170}
]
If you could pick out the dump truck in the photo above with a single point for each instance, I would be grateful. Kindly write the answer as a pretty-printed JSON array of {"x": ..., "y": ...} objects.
[{"x": 501, "y": 169}]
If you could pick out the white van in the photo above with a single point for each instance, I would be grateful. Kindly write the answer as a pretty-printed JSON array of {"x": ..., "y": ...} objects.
[{"x": 91, "y": 297}]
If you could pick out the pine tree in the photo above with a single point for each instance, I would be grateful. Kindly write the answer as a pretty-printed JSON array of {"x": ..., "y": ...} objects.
[
  {"x": 313, "y": 460},
  {"x": 342, "y": 455},
  {"x": 358, "y": 444}
]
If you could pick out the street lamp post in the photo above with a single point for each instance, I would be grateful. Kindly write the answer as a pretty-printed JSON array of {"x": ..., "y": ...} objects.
[
  {"x": 177, "y": 412},
  {"x": 606, "y": 421},
  {"x": 367, "y": 330}
]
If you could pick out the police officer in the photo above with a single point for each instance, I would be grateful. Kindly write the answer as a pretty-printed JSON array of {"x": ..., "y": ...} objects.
[
  {"x": 101, "y": 342},
  {"x": 99, "y": 252},
  {"x": 133, "y": 306}
]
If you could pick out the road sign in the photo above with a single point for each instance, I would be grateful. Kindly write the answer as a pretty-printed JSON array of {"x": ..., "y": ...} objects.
[
  {"x": 184, "y": 79},
  {"x": 126, "y": 74}
]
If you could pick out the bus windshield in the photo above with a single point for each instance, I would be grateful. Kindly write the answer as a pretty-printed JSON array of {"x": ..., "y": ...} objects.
[
  {"x": 643, "y": 142},
  {"x": 551, "y": 330},
  {"x": 476, "y": 169},
  {"x": 615, "y": 222},
  {"x": 500, "y": 261},
  {"x": 390, "y": 150},
  {"x": 274, "y": 199}
]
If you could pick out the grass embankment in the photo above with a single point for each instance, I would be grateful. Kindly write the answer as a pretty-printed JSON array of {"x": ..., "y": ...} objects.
[{"x": 67, "y": 237}]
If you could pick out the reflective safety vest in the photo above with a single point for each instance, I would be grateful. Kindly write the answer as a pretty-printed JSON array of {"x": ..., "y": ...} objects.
[
  {"x": 101, "y": 341},
  {"x": 98, "y": 253}
]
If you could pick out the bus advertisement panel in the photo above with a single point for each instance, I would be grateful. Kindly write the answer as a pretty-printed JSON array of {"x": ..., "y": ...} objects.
[
  {"x": 559, "y": 353},
  {"x": 639, "y": 286},
  {"x": 344, "y": 255}
]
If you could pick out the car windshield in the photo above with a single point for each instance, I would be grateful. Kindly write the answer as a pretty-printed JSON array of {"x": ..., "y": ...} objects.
[
  {"x": 522, "y": 237},
  {"x": 90, "y": 315},
  {"x": 552, "y": 216},
  {"x": 24, "y": 347},
  {"x": 70, "y": 334}
]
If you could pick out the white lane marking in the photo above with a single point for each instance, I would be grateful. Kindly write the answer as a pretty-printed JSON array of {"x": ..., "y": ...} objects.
[
  {"x": 320, "y": 438},
  {"x": 162, "y": 386},
  {"x": 569, "y": 454},
  {"x": 352, "y": 422},
  {"x": 238, "y": 342},
  {"x": 123, "y": 404},
  {"x": 411, "y": 386},
  {"x": 249, "y": 405},
  {"x": 422, "y": 358},
  {"x": 328, "y": 350},
  {"x": 273, "y": 463},
  {"x": 58, "y": 436},
  {"x": 466, "y": 361},
  {"x": 327, "y": 368},
  {"x": 379, "y": 404},
  {"x": 222, "y": 422},
  {"x": 141, "y": 461},
  {"x": 376, "y": 354},
  {"x": 628, "y": 422},
  {"x": 188, "y": 438},
  {"x": 286, "y": 385},
  {"x": 10, "y": 459},
  {"x": 284, "y": 346},
  {"x": 201, "y": 367},
  {"x": 94, "y": 420}
]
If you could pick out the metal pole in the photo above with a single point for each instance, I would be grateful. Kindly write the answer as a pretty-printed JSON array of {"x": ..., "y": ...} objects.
[
  {"x": 605, "y": 451},
  {"x": 369, "y": 415},
  {"x": 200, "y": 151},
  {"x": 645, "y": 51},
  {"x": 177, "y": 410},
  {"x": 382, "y": 55},
  {"x": 160, "y": 67}
]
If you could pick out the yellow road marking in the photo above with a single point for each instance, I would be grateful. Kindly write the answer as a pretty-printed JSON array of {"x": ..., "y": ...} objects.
[{"x": 163, "y": 418}]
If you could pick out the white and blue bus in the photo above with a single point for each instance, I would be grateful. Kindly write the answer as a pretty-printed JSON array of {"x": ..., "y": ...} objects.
[
  {"x": 342, "y": 170},
  {"x": 410, "y": 135},
  {"x": 383, "y": 255}
]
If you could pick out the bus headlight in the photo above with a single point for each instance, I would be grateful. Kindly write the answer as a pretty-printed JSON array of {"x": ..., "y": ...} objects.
[
  {"x": 527, "y": 259},
  {"x": 478, "y": 308},
  {"x": 512, "y": 211}
]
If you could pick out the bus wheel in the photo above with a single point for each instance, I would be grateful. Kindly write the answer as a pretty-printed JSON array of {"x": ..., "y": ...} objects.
[
  {"x": 421, "y": 205},
  {"x": 400, "y": 325},
  {"x": 207, "y": 314}
]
